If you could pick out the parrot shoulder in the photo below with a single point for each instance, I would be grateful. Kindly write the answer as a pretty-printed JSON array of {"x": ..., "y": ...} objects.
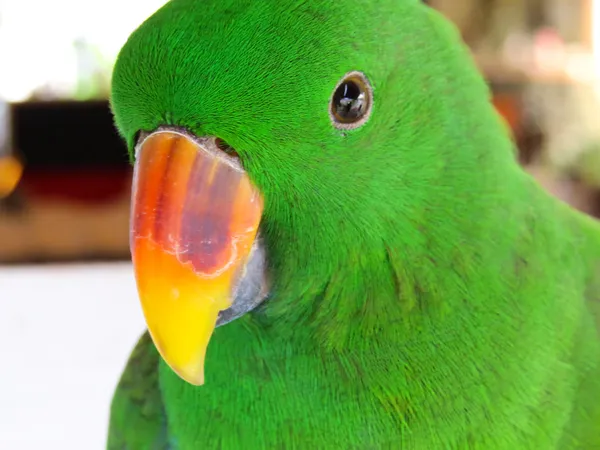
[{"x": 137, "y": 419}]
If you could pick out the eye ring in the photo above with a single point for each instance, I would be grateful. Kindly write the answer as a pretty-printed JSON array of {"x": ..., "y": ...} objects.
[{"x": 351, "y": 102}]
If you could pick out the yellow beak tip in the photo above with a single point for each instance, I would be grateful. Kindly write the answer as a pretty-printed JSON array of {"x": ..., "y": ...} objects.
[
  {"x": 185, "y": 357},
  {"x": 194, "y": 377}
]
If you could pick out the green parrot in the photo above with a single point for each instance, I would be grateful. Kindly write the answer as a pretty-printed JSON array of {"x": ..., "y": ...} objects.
[{"x": 324, "y": 191}]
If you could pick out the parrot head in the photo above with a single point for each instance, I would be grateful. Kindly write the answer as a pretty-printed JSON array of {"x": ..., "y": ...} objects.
[{"x": 276, "y": 143}]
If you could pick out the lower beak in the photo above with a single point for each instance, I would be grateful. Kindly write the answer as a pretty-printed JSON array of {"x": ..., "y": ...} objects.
[{"x": 195, "y": 216}]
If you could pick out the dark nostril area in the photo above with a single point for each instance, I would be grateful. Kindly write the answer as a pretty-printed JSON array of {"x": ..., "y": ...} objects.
[{"x": 225, "y": 147}]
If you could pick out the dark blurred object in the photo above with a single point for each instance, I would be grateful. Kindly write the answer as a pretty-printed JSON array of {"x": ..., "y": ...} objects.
[
  {"x": 72, "y": 150},
  {"x": 72, "y": 202},
  {"x": 69, "y": 135},
  {"x": 508, "y": 100}
]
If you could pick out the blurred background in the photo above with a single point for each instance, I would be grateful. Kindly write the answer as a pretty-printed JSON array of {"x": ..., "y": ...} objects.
[{"x": 68, "y": 310}]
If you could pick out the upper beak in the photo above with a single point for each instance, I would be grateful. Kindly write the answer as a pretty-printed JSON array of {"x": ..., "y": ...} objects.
[{"x": 195, "y": 216}]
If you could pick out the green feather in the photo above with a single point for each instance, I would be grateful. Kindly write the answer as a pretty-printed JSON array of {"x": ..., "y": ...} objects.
[
  {"x": 137, "y": 414},
  {"x": 427, "y": 293}
]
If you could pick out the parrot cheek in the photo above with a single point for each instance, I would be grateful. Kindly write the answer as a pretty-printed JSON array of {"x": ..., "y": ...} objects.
[{"x": 196, "y": 253}]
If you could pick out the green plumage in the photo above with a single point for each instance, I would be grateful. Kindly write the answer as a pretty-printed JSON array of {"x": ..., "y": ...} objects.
[{"x": 426, "y": 292}]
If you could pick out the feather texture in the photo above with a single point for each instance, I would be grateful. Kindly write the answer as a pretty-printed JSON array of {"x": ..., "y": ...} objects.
[{"x": 427, "y": 293}]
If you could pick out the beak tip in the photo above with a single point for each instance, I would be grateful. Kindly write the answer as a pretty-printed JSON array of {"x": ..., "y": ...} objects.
[
  {"x": 192, "y": 373},
  {"x": 194, "y": 377}
]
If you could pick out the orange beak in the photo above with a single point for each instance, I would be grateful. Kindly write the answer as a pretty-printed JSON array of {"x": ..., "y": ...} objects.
[{"x": 195, "y": 216}]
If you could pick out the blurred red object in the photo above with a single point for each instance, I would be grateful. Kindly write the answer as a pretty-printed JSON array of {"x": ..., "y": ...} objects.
[
  {"x": 88, "y": 185},
  {"x": 509, "y": 107}
]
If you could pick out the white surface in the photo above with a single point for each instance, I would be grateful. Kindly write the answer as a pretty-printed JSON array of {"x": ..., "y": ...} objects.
[
  {"x": 65, "y": 335},
  {"x": 36, "y": 38}
]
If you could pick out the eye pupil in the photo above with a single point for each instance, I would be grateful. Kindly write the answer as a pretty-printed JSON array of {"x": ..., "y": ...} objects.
[{"x": 351, "y": 102}]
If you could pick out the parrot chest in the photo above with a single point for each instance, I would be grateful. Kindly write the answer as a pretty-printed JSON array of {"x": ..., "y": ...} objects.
[{"x": 269, "y": 396}]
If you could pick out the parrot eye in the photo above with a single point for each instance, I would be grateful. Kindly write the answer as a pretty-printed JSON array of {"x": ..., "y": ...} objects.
[{"x": 351, "y": 102}]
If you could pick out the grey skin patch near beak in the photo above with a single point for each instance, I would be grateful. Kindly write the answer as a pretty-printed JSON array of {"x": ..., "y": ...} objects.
[{"x": 252, "y": 288}]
